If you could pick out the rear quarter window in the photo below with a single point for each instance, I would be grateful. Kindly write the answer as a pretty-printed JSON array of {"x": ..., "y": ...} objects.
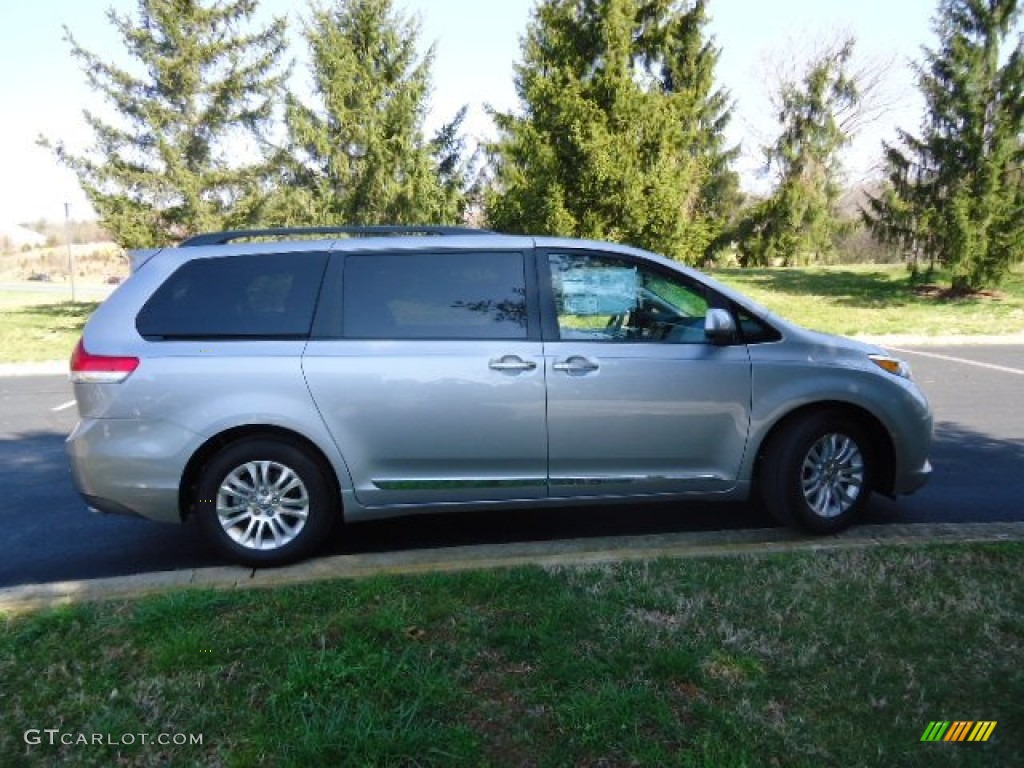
[{"x": 254, "y": 296}]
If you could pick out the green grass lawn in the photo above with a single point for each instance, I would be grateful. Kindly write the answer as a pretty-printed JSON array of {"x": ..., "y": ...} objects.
[
  {"x": 36, "y": 327},
  {"x": 876, "y": 300},
  {"x": 833, "y": 658}
]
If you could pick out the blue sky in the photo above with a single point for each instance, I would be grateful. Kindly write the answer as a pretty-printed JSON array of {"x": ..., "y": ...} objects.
[{"x": 477, "y": 43}]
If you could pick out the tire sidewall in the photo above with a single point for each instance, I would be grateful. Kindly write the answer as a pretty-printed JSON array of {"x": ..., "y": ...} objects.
[{"x": 322, "y": 505}]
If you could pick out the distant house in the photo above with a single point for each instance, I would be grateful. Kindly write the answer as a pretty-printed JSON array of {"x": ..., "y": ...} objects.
[{"x": 17, "y": 237}]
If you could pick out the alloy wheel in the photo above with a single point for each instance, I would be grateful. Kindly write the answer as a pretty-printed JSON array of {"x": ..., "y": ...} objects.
[
  {"x": 832, "y": 474},
  {"x": 262, "y": 505}
]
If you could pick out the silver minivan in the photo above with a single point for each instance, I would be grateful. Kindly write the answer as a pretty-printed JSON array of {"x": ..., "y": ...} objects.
[{"x": 272, "y": 384}]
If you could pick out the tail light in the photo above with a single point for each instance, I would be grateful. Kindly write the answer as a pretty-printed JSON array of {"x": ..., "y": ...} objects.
[{"x": 95, "y": 369}]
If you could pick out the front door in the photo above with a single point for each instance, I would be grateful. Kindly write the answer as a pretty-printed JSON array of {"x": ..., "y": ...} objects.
[{"x": 639, "y": 402}]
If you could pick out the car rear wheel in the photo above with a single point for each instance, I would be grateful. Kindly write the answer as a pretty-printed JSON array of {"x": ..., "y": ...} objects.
[
  {"x": 816, "y": 473},
  {"x": 264, "y": 502}
]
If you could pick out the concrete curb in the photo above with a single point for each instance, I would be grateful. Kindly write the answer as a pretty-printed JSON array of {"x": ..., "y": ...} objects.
[{"x": 572, "y": 552}]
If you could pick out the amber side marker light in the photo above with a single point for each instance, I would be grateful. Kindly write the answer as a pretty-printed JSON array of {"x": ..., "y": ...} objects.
[{"x": 893, "y": 365}]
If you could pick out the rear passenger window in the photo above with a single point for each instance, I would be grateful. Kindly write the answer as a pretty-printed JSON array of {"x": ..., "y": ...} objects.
[
  {"x": 255, "y": 296},
  {"x": 434, "y": 296}
]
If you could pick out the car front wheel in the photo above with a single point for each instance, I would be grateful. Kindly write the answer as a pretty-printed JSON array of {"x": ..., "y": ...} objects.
[
  {"x": 265, "y": 502},
  {"x": 816, "y": 473}
]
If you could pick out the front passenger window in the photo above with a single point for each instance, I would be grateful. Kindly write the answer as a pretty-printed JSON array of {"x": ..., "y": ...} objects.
[{"x": 603, "y": 298}]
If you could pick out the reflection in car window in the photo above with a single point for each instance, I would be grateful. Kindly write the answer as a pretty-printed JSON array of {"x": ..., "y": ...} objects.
[
  {"x": 755, "y": 331},
  {"x": 434, "y": 296},
  {"x": 603, "y": 298}
]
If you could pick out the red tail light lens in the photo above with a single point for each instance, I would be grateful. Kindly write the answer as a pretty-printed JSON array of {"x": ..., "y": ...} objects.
[{"x": 94, "y": 369}]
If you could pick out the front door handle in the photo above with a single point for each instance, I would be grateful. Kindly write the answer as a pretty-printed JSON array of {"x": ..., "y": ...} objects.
[
  {"x": 511, "y": 363},
  {"x": 576, "y": 364}
]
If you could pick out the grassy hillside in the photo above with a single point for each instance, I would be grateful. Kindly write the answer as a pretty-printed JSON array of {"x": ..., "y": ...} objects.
[{"x": 94, "y": 263}]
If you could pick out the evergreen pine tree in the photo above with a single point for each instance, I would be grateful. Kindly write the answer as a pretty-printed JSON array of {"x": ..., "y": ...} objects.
[
  {"x": 448, "y": 148},
  {"x": 359, "y": 154},
  {"x": 799, "y": 222},
  {"x": 683, "y": 58},
  {"x": 200, "y": 97},
  {"x": 955, "y": 191},
  {"x": 618, "y": 134}
]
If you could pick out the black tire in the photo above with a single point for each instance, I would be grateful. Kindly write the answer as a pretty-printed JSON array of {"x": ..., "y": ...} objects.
[
  {"x": 284, "y": 507},
  {"x": 816, "y": 473}
]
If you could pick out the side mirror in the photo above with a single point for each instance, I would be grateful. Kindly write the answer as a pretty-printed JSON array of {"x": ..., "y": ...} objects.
[{"x": 719, "y": 326}]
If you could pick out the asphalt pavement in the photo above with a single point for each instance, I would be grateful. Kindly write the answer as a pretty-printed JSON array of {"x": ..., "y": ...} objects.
[{"x": 50, "y": 536}]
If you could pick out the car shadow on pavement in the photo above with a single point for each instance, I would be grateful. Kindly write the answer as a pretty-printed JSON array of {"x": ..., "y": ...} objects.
[
  {"x": 455, "y": 529},
  {"x": 51, "y": 536},
  {"x": 967, "y": 455},
  {"x": 975, "y": 478}
]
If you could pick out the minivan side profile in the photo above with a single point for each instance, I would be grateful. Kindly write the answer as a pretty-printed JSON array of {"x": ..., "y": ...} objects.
[{"x": 272, "y": 385}]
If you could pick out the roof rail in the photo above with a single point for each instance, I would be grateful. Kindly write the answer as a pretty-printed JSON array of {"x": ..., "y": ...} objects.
[{"x": 221, "y": 238}]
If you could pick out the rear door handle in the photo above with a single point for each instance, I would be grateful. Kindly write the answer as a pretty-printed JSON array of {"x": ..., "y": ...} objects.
[
  {"x": 576, "y": 364},
  {"x": 511, "y": 363}
]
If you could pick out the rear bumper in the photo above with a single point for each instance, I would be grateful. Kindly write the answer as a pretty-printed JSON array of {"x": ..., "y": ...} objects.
[
  {"x": 129, "y": 466},
  {"x": 106, "y": 506}
]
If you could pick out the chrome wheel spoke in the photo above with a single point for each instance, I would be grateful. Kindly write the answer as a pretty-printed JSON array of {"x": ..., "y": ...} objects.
[
  {"x": 286, "y": 482},
  {"x": 263, "y": 476},
  {"x": 852, "y": 475},
  {"x": 836, "y": 503},
  {"x": 293, "y": 512},
  {"x": 249, "y": 533},
  {"x": 276, "y": 531},
  {"x": 296, "y": 502},
  {"x": 251, "y": 470},
  {"x": 236, "y": 486},
  {"x": 821, "y": 497},
  {"x": 229, "y": 521}
]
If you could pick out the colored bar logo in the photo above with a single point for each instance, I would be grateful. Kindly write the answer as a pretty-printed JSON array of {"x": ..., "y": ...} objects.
[{"x": 958, "y": 730}]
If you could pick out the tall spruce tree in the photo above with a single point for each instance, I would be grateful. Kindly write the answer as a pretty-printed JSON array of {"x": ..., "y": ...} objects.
[
  {"x": 359, "y": 155},
  {"x": 200, "y": 95},
  {"x": 618, "y": 135},
  {"x": 955, "y": 191},
  {"x": 799, "y": 221},
  {"x": 453, "y": 168},
  {"x": 683, "y": 59}
]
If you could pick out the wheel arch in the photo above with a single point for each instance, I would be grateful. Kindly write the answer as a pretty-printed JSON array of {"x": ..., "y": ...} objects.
[
  {"x": 190, "y": 477},
  {"x": 880, "y": 441}
]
